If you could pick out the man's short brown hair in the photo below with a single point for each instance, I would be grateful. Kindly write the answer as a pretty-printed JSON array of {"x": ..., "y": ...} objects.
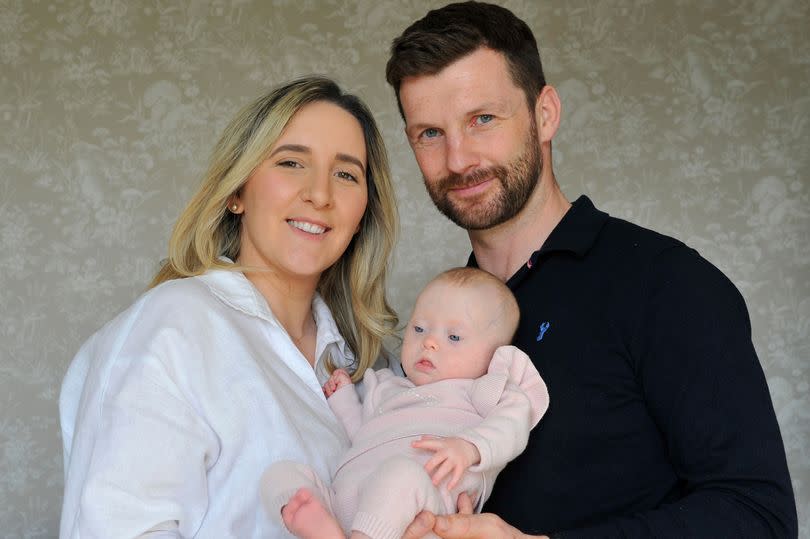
[{"x": 449, "y": 33}]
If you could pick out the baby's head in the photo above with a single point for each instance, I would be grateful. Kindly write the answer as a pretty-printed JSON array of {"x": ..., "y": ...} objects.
[{"x": 460, "y": 318}]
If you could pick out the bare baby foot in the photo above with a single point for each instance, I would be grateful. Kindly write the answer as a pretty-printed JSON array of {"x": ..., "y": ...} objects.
[{"x": 307, "y": 518}]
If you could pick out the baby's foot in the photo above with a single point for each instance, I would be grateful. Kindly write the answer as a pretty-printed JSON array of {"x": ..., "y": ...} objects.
[{"x": 307, "y": 518}]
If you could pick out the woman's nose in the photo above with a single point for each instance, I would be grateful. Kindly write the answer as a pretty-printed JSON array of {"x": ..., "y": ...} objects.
[{"x": 318, "y": 190}]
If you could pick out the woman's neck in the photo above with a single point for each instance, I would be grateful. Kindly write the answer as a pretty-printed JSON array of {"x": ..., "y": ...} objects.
[{"x": 291, "y": 302}]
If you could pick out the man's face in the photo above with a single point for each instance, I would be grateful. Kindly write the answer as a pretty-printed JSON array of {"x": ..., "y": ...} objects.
[{"x": 474, "y": 139}]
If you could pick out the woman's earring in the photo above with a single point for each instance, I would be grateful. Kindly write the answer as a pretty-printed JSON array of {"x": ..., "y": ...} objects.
[{"x": 234, "y": 207}]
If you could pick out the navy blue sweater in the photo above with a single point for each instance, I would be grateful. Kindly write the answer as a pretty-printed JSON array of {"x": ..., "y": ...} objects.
[{"x": 660, "y": 422}]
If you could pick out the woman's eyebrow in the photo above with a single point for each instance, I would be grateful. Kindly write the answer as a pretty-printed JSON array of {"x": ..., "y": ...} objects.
[
  {"x": 300, "y": 148},
  {"x": 346, "y": 158}
]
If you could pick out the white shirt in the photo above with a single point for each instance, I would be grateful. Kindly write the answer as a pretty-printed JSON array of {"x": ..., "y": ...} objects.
[{"x": 171, "y": 412}]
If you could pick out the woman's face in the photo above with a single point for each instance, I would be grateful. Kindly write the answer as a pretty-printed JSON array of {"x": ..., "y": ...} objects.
[{"x": 302, "y": 206}]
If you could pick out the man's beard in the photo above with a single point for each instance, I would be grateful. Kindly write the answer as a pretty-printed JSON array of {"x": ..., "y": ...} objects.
[{"x": 517, "y": 180}]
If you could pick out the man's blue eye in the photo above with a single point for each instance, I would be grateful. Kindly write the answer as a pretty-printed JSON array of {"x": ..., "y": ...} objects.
[
  {"x": 484, "y": 118},
  {"x": 430, "y": 132},
  {"x": 418, "y": 329},
  {"x": 454, "y": 338}
]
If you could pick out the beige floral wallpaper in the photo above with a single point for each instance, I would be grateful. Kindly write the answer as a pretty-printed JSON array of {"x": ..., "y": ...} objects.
[{"x": 688, "y": 116}]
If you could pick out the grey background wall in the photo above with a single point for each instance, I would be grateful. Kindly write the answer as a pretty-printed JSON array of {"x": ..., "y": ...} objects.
[{"x": 691, "y": 117}]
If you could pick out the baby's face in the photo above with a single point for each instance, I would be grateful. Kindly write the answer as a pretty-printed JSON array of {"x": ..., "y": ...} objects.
[{"x": 453, "y": 332}]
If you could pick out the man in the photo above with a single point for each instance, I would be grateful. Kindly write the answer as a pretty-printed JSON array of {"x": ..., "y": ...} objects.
[{"x": 660, "y": 422}]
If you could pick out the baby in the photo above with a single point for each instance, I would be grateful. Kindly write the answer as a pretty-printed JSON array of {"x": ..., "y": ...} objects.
[{"x": 463, "y": 412}]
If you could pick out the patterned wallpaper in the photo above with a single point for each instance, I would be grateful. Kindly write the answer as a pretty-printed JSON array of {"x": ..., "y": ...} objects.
[{"x": 688, "y": 116}]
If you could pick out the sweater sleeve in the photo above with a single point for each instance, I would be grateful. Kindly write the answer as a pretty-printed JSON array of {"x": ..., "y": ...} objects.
[
  {"x": 511, "y": 398},
  {"x": 706, "y": 391},
  {"x": 345, "y": 403}
]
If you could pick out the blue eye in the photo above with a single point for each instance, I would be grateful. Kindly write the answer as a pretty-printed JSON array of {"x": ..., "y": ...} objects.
[
  {"x": 418, "y": 329},
  {"x": 454, "y": 338},
  {"x": 484, "y": 118},
  {"x": 430, "y": 132}
]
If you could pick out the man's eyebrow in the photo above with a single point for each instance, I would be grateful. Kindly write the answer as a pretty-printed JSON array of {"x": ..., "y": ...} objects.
[
  {"x": 414, "y": 131},
  {"x": 300, "y": 148},
  {"x": 496, "y": 106}
]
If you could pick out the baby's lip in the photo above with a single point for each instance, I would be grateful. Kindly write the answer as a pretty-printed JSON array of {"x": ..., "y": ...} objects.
[{"x": 424, "y": 364}]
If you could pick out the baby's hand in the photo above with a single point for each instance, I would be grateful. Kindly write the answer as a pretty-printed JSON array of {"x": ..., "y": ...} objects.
[
  {"x": 338, "y": 379},
  {"x": 450, "y": 456}
]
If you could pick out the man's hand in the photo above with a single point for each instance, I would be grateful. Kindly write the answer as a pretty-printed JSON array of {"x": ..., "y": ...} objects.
[
  {"x": 459, "y": 526},
  {"x": 424, "y": 521},
  {"x": 463, "y": 525},
  {"x": 450, "y": 456},
  {"x": 338, "y": 379},
  {"x": 483, "y": 526}
]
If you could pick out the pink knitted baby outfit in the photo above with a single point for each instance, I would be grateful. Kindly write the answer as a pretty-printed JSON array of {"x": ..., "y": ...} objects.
[{"x": 381, "y": 484}]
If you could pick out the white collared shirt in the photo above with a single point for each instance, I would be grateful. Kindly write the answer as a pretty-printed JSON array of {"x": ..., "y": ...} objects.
[{"x": 171, "y": 412}]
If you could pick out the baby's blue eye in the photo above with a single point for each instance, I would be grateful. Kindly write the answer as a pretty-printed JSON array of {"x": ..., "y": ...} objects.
[
  {"x": 418, "y": 329},
  {"x": 454, "y": 338}
]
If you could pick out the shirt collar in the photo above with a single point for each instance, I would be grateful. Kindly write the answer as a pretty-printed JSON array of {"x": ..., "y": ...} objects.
[
  {"x": 236, "y": 291},
  {"x": 577, "y": 230},
  {"x": 233, "y": 289},
  {"x": 575, "y": 233}
]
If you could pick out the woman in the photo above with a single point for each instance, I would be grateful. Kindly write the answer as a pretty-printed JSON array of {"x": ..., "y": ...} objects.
[{"x": 275, "y": 277}]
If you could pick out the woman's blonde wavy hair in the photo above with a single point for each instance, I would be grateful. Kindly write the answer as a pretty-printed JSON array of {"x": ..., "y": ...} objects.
[{"x": 353, "y": 287}]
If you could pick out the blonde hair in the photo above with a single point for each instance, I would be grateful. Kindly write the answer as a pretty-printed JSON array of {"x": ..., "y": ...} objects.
[
  {"x": 465, "y": 276},
  {"x": 353, "y": 287}
]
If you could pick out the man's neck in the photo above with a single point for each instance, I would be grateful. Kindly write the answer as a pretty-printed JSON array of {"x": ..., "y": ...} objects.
[{"x": 503, "y": 249}]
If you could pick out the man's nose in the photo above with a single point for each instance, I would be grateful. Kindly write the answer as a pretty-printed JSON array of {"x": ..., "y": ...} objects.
[{"x": 462, "y": 156}]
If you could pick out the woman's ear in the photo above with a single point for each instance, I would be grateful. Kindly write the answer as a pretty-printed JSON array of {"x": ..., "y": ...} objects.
[{"x": 235, "y": 205}]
